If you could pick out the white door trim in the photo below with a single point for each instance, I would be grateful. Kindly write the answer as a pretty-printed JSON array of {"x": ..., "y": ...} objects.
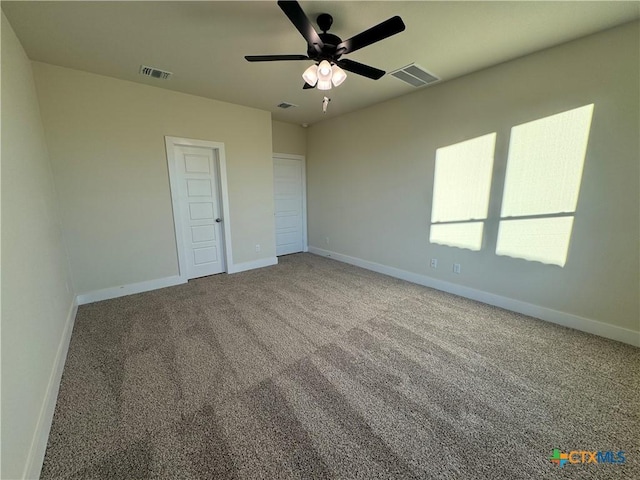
[
  {"x": 288, "y": 156},
  {"x": 171, "y": 143}
]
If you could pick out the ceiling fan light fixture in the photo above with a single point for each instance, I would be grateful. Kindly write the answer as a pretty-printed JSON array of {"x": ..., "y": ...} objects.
[
  {"x": 310, "y": 75},
  {"x": 324, "y": 70},
  {"x": 338, "y": 75},
  {"x": 324, "y": 84},
  {"x": 329, "y": 53}
]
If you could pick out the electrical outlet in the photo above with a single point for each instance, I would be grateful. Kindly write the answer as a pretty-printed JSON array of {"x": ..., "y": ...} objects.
[
  {"x": 434, "y": 263},
  {"x": 326, "y": 240},
  {"x": 456, "y": 268},
  {"x": 257, "y": 247}
]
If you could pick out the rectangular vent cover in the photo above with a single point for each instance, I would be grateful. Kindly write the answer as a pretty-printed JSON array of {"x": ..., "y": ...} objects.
[
  {"x": 154, "y": 72},
  {"x": 286, "y": 105},
  {"x": 414, "y": 75}
]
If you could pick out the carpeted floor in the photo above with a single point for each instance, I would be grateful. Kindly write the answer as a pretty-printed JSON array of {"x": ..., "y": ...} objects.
[{"x": 317, "y": 369}]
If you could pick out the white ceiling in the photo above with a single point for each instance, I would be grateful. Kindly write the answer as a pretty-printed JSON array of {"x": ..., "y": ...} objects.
[{"x": 204, "y": 43}]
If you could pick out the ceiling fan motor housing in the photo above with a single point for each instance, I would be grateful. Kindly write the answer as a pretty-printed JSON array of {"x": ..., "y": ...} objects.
[{"x": 328, "y": 50}]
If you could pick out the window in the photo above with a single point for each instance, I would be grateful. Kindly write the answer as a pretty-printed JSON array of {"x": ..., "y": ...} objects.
[
  {"x": 543, "y": 176},
  {"x": 461, "y": 186}
]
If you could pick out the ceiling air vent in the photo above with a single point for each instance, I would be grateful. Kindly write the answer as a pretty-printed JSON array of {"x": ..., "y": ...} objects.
[
  {"x": 286, "y": 105},
  {"x": 414, "y": 75},
  {"x": 154, "y": 72}
]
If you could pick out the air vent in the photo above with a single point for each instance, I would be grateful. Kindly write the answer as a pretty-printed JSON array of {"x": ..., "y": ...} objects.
[
  {"x": 154, "y": 72},
  {"x": 414, "y": 75},
  {"x": 285, "y": 105}
]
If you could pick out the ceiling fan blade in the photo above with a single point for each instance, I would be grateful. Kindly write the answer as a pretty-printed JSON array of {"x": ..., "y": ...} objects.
[
  {"x": 293, "y": 11},
  {"x": 306, "y": 86},
  {"x": 361, "y": 69},
  {"x": 274, "y": 58},
  {"x": 374, "y": 34}
]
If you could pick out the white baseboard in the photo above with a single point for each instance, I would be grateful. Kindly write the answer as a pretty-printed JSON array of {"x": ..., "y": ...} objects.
[
  {"x": 130, "y": 289},
  {"x": 588, "y": 325},
  {"x": 43, "y": 425},
  {"x": 243, "y": 267}
]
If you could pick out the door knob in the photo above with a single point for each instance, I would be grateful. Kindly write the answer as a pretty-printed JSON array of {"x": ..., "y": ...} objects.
[{"x": 218, "y": 220}]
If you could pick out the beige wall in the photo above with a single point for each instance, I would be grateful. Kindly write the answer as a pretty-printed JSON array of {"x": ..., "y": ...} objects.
[
  {"x": 106, "y": 141},
  {"x": 36, "y": 287},
  {"x": 289, "y": 138},
  {"x": 370, "y": 188}
]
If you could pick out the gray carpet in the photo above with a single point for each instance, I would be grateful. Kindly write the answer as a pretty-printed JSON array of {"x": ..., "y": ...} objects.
[{"x": 317, "y": 369}]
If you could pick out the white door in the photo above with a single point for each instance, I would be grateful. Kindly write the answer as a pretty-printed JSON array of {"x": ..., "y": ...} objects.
[
  {"x": 288, "y": 178},
  {"x": 196, "y": 170}
]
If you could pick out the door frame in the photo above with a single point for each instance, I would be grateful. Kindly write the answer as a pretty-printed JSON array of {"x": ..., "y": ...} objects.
[
  {"x": 223, "y": 193},
  {"x": 303, "y": 161}
]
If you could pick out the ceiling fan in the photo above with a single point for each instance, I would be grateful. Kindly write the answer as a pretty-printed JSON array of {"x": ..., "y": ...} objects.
[{"x": 325, "y": 49}]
